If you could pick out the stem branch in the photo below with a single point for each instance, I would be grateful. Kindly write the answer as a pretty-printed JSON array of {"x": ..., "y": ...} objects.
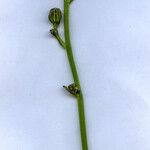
[
  {"x": 61, "y": 42},
  {"x": 55, "y": 33}
]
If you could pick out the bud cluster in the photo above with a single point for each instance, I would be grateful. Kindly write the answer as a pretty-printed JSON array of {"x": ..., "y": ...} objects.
[{"x": 72, "y": 89}]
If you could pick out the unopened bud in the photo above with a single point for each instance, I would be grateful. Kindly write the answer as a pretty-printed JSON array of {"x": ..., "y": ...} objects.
[
  {"x": 55, "y": 16},
  {"x": 54, "y": 32},
  {"x": 72, "y": 89}
]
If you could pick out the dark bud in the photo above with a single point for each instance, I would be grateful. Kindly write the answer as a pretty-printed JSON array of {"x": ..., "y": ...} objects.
[
  {"x": 54, "y": 32},
  {"x": 55, "y": 16},
  {"x": 73, "y": 89}
]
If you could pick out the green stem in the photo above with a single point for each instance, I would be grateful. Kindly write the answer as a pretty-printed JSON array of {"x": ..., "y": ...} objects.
[
  {"x": 75, "y": 76},
  {"x": 55, "y": 33},
  {"x": 61, "y": 42}
]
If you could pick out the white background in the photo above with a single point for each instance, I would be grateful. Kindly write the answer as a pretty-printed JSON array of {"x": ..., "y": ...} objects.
[{"x": 111, "y": 43}]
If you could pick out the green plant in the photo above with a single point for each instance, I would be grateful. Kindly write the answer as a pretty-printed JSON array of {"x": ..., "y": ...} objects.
[{"x": 55, "y": 17}]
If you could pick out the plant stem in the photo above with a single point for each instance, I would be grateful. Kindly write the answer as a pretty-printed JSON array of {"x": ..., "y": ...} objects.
[
  {"x": 59, "y": 39},
  {"x": 61, "y": 42},
  {"x": 75, "y": 76},
  {"x": 55, "y": 33}
]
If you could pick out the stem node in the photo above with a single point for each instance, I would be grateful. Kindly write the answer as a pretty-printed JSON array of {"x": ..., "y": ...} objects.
[{"x": 73, "y": 89}]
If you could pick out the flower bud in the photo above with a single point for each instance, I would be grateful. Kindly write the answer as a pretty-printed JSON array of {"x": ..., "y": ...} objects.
[
  {"x": 55, "y": 16},
  {"x": 72, "y": 89},
  {"x": 54, "y": 32}
]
